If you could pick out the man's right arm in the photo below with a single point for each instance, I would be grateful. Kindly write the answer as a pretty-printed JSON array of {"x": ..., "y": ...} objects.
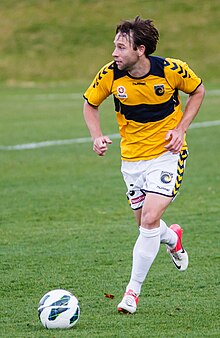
[{"x": 92, "y": 119}]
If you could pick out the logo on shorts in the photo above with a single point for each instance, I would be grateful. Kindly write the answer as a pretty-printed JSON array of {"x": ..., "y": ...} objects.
[
  {"x": 159, "y": 89},
  {"x": 121, "y": 92},
  {"x": 131, "y": 192},
  {"x": 138, "y": 199},
  {"x": 166, "y": 177}
]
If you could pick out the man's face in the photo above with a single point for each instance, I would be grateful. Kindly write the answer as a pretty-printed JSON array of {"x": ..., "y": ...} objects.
[{"x": 124, "y": 54}]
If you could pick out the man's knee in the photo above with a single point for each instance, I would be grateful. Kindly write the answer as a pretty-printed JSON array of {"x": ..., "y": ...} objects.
[{"x": 150, "y": 219}]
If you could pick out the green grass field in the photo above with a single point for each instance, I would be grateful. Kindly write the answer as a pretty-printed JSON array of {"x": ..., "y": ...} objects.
[
  {"x": 65, "y": 223},
  {"x": 64, "y": 218},
  {"x": 55, "y": 41}
]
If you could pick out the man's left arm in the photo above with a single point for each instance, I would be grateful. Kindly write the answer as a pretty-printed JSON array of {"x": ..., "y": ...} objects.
[{"x": 176, "y": 136}]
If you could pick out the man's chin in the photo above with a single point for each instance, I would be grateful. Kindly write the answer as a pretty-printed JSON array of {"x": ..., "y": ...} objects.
[{"x": 120, "y": 66}]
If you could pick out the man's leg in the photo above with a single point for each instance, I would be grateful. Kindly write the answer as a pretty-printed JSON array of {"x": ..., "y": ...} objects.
[
  {"x": 148, "y": 242},
  {"x": 148, "y": 176},
  {"x": 146, "y": 247},
  {"x": 167, "y": 235}
]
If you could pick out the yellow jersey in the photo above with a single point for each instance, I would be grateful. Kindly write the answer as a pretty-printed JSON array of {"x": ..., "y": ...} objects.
[{"x": 147, "y": 107}]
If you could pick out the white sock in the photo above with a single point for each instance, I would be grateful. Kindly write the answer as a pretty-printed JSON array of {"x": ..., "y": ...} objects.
[
  {"x": 144, "y": 253},
  {"x": 167, "y": 235}
]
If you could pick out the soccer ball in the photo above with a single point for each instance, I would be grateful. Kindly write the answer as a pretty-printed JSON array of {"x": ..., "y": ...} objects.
[{"x": 58, "y": 309}]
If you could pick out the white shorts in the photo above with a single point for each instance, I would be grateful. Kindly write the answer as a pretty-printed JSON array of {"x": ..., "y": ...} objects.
[{"x": 162, "y": 175}]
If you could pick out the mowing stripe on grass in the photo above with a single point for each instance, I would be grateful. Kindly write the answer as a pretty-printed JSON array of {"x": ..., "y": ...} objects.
[{"x": 88, "y": 139}]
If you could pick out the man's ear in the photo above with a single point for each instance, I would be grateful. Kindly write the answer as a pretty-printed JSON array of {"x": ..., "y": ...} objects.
[{"x": 141, "y": 50}]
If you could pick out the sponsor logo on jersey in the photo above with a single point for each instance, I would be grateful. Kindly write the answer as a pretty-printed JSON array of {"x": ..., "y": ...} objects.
[
  {"x": 159, "y": 89},
  {"x": 166, "y": 177},
  {"x": 139, "y": 83},
  {"x": 121, "y": 92}
]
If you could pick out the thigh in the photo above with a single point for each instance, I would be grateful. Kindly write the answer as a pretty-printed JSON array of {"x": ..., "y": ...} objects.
[{"x": 153, "y": 209}]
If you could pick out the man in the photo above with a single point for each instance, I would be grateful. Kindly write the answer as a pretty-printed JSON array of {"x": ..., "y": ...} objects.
[{"x": 153, "y": 146}]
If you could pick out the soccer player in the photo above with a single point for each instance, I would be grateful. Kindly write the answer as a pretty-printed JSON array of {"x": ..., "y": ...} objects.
[{"x": 153, "y": 127}]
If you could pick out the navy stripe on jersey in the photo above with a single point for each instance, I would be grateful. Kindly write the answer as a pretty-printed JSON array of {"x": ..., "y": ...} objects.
[
  {"x": 145, "y": 113},
  {"x": 157, "y": 69},
  {"x": 118, "y": 73},
  {"x": 157, "y": 66}
]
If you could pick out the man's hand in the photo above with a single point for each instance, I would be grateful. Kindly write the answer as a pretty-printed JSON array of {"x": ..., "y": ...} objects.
[
  {"x": 176, "y": 138},
  {"x": 100, "y": 145}
]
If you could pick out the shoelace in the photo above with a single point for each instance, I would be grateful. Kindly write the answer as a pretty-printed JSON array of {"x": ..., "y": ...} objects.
[
  {"x": 178, "y": 254},
  {"x": 130, "y": 300}
]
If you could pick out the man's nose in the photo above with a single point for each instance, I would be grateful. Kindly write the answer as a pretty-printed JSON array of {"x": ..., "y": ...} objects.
[{"x": 114, "y": 53}]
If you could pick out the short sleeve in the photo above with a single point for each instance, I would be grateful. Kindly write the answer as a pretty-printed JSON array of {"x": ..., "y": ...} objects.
[
  {"x": 180, "y": 76},
  {"x": 101, "y": 86}
]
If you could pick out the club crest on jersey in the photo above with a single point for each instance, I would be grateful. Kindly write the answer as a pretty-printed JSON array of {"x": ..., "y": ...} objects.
[
  {"x": 159, "y": 89},
  {"x": 166, "y": 177},
  {"x": 121, "y": 92}
]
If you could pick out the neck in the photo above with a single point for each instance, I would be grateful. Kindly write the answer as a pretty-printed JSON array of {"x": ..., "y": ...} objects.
[{"x": 141, "y": 68}]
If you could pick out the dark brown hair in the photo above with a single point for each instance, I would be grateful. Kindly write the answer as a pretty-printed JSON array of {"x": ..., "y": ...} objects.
[{"x": 142, "y": 32}]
